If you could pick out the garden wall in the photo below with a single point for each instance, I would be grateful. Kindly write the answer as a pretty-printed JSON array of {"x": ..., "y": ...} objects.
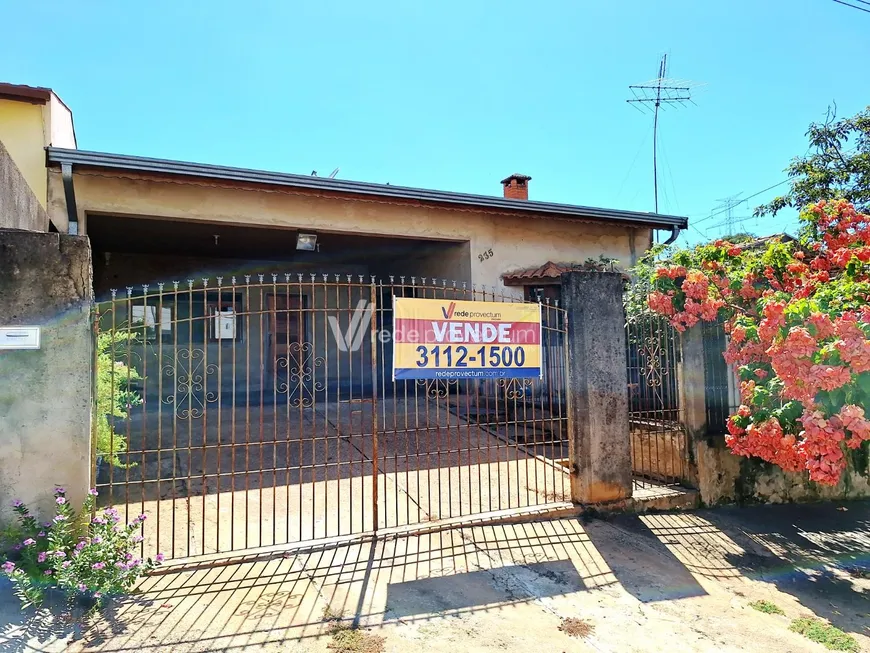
[{"x": 45, "y": 394}]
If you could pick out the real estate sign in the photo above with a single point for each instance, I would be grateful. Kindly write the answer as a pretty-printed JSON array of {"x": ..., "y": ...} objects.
[{"x": 454, "y": 339}]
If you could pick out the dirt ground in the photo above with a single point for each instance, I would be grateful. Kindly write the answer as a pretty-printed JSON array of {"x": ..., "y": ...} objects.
[{"x": 654, "y": 582}]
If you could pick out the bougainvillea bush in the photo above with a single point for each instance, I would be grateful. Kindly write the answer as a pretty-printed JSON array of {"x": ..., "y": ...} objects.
[
  {"x": 798, "y": 318},
  {"x": 88, "y": 561}
]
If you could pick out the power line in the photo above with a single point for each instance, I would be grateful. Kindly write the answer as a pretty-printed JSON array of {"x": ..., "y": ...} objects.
[
  {"x": 846, "y": 4},
  {"x": 749, "y": 197}
]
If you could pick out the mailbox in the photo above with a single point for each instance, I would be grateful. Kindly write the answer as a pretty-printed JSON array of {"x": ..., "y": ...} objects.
[{"x": 19, "y": 337}]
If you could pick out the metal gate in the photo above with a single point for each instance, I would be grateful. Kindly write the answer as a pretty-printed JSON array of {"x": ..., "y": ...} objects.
[{"x": 257, "y": 411}]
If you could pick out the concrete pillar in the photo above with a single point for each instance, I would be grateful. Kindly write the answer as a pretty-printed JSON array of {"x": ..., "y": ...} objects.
[
  {"x": 692, "y": 383},
  {"x": 599, "y": 441},
  {"x": 45, "y": 393}
]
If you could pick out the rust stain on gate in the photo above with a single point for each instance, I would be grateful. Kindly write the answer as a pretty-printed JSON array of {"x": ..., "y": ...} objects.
[{"x": 251, "y": 414}]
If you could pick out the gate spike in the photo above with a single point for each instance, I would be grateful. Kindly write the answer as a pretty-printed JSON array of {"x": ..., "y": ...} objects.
[
  {"x": 392, "y": 278},
  {"x": 260, "y": 277},
  {"x": 349, "y": 277},
  {"x": 286, "y": 277},
  {"x": 313, "y": 274},
  {"x": 444, "y": 282},
  {"x": 144, "y": 288},
  {"x": 299, "y": 277},
  {"x": 373, "y": 279},
  {"x": 175, "y": 285},
  {"x": 412, "y": 281},
  {"x": 190, "y": 283},
  {"x": 129, "y": 291},
  {"x": 274, "y": 278},
  {"x": 114, "y": 293},
  {"x": 160, "y": 286},
  {"x": 247, "y": 278},
  {"x": 464, "y": 284},
  {"x": 454, "y": 283},
  {"x": 360, "y": 278},
  {"x": 402, "y": 279},
  {"x": 325, "y": 277},
  {"x": 422, "y": 280},
  {"x": 337, "y": 277},
  {"x": 233, "y": 280},
  {"x": 205, "y": 283},
  {"x": 220, "y": 281}
]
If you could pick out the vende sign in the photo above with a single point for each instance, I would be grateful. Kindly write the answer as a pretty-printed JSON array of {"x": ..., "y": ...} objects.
[{"x": 437, "y": 338}]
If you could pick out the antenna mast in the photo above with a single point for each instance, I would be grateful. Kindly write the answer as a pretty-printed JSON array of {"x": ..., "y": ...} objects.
[
  {"x": 727, "y": 206},
  {"x": 657, "y": 94}
]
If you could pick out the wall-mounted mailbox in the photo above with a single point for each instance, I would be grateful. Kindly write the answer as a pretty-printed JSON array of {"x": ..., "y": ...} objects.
[{"x": 19, "y": 337}]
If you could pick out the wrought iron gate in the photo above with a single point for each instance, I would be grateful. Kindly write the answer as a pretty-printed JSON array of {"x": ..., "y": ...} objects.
[{"x": 260, "y": 410}]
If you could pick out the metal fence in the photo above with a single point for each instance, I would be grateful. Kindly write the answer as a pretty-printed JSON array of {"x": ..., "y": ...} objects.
[
  {"x": 658, "y": 437},
  {"x": 250, "y": 412}
]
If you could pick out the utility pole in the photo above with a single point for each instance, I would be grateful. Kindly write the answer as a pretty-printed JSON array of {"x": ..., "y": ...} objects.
[
  {"x": 657, "y": 94},
  {"x": 727, "y": 206}
]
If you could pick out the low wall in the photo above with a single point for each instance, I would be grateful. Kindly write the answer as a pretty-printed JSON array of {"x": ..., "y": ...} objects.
[
  {"x": 45, "y": 394},
  {"x": 726, "y": 478}
]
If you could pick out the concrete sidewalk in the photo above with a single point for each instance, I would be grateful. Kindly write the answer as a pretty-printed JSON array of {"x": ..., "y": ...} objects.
[{"x": 656, "y": 582}]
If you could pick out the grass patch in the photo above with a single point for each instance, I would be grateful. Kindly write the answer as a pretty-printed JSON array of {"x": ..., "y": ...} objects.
[
  {"x": 574, "y": 627},
  {"x": 347, "y": 639},
  {"x": 827, "y": 635},
  {"x": 766, "y": 607}
]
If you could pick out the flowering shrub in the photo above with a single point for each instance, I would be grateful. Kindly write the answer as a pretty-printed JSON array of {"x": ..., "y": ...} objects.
[
  {"x": 798, "y": 317},
  {"x": 89, "y": 562}
]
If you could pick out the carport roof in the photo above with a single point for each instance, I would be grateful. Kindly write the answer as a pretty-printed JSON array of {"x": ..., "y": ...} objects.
[{"x": 100, "y": 160}]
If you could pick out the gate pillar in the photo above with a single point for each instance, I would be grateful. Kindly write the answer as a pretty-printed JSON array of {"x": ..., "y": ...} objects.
[{"x": 599, "y": 443}]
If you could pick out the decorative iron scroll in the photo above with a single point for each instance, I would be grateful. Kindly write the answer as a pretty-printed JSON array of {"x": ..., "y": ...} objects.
[
  {"x": 653, "y": 367},
  {"x": 300, "y": 384},
  {"x": 514, "y": 388},
  {"x": 190, "y": 393},
  {"x": 439, "y": 388}
]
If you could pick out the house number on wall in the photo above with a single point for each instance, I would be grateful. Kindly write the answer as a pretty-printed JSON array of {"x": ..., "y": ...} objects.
[{"x": 485, "y": 255}]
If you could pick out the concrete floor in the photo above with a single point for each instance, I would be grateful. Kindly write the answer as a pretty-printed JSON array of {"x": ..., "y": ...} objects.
[
  {"x": 656, "y": 582},
  {"x": 264, "y": 476}
]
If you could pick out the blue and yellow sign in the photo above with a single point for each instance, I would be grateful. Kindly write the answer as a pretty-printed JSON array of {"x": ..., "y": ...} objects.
[{"x": 454, "y": 339}]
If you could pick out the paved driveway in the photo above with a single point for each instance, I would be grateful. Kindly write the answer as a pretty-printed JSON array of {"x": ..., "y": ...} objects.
[{"x": 657, "y": 582}]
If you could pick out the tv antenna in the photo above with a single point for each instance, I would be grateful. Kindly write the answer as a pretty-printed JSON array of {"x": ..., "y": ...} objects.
[
  {"x": 657, "y": 94},
  {"x": 333, "y": 173},
  {"x": 727, "y": 206}
]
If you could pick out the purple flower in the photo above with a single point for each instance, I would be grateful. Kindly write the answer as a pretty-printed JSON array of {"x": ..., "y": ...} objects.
[
  {"x": 41, "y": 557},
  {"x": 98, "y": 595},
  {"x": 8, "y": 567},
  {"x": 142, "y": 517},
  {"x": 129, "y": 556},
  {"x": 29, "y": 541},
  {"x": 59, "y": 490},
  {"x": 97, "y": 539},
  {"x": 59, "y": 554},
  {"x": 137, "y": 539},
  {"x": 17, "y": 503},
  {"x": 134, "y": 563},
  {"x": 121, "y": 566},
  {"x": 59, "y": 518},
  {"x": 48, "y": 572},
  {"x": 40, "y": 534},
  {"x": 159, "y": 558},
  {"x": 17, "y": 547},
  {"x": 93, "y": 492},
  {"x": 98, "y": 565},
  {"x": 98, "y": 520},
  {"x": 82, "y": 587},
  {"x": 66, "y": 563},
  {"x": 60, "y": 501},
  {"x": 46, "y": 524},
  {"x": 80, "y": 545}
]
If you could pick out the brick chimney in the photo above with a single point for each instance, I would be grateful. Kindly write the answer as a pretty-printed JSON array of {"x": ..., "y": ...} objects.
[{"x": 516, "y": 187}]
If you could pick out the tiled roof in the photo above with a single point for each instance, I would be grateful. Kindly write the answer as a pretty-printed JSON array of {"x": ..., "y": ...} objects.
[{"x": 548, "y": 271}]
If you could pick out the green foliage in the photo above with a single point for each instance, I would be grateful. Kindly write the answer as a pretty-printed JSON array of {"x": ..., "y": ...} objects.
[
  {"x": 114, "y": 394},
  {"x": 837, "y": 166},
  {"x": 766, "y": 607},
  {"x": 830, "y": 637},
  {"x": 83, "y": 559}
]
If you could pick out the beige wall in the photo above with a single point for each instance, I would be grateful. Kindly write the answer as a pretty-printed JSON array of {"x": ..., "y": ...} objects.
[
  {"x": 516, "y": 242},
  {"x": 22, "y": 132}
]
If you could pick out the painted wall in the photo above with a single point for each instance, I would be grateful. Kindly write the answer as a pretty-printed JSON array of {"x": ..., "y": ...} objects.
[
  {"x": 45, "y": 394},
  {"x": 514, "y": 242},
  {"x": 22, "y": 132},
  {"x": 19, "y": 208}
]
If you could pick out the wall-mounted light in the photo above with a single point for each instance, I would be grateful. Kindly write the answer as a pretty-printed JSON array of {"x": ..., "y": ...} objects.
[{"x": 306, "y": 242}]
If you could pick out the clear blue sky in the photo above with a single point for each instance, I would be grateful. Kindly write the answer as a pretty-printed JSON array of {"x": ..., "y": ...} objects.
[{"x": 454, "y": 95}]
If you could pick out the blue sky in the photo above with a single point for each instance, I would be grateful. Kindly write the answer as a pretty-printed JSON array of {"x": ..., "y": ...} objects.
[{"x": 455, "y": 95}]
